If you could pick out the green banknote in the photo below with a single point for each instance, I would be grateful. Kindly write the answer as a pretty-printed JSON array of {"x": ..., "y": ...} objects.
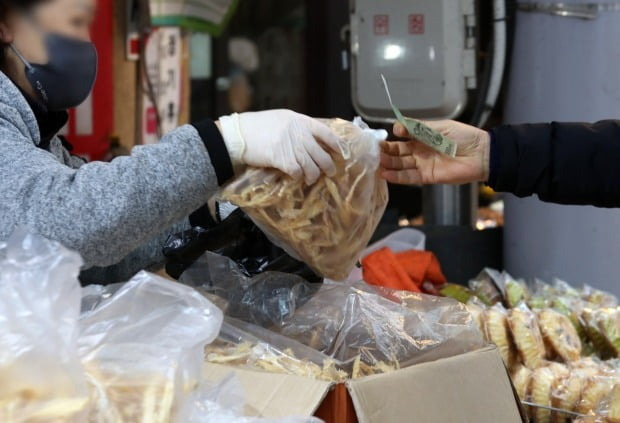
[{"x": 420, "y": 131}]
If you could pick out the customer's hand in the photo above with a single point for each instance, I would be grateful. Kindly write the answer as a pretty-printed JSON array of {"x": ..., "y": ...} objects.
[
  {"x": 291, "y": 142},
  {"x": 412, "y": 162}
]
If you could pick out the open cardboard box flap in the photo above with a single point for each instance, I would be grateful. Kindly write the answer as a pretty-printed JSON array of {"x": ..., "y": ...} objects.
[
  {"x": 472, "y": 387},
  {"x": 274, "y": 395}
]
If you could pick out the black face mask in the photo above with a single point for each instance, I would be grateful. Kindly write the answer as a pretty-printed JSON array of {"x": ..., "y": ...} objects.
[{"x": 68, "y": 77}]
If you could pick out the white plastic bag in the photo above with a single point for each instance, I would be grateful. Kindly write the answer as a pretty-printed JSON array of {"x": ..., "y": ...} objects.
[
  {"x": 328, "y": 224},
  {"x": 401, "y": 240},
  {"x": 41, "y": 379}
]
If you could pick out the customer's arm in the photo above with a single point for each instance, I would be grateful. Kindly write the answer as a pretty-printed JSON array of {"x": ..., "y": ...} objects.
[{"x": 567, "y": 163}]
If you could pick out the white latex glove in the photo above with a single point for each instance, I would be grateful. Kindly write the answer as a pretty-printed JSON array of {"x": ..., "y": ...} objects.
[{"x": 281, "y": 139}]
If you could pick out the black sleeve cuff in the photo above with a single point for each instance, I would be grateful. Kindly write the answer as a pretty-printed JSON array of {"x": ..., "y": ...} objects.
[
  {"x": 519, "y": 158},
  {"x": 214, "y": 142},
  {"x": 202, "y": 217},
  {"x": 493, "y": 160}
]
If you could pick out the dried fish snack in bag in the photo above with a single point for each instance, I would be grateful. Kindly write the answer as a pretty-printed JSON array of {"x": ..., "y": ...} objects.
[
  {"x": 399, "y": 328},
  {"x": 142, "y": 349},
  {"x": 326, "y": 225},
  {"x": 41, "y": 378},
  {"x": 241, "y": 344}
]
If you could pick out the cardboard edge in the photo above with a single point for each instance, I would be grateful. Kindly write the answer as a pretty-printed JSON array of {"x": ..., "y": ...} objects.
[
  {"x": 522, "y": 412},
  {"x": 329, "y": 388},
  {"x": 215, "y": 372},
  {"x": 357, "y": 404}
]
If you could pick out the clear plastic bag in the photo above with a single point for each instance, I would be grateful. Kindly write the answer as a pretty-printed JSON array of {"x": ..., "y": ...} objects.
[
  {"x": 326, "y": 225},
  {"x": 382, "y": 326},
  {"x": 486, "y": 286},
  {"x": 609, "y": 408},
  {"x": 223, "y": 403},
  {"x": 497, "y": 331},
  {"x": 527, "y": 337},
  {"x": 135, "y": 352},
  {"x": 143, "y": 348},
  {"x": 242, "y": 344},
  {"x": 41, "y": 378}
]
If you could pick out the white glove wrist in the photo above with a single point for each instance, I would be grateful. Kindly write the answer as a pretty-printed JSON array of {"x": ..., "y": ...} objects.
[{"x": 235, "y": 144}]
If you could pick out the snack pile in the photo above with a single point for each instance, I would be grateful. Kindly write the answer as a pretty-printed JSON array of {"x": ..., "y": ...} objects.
[
  {"x": 328, "y": 224},
  {"x": 560, "y": 344}
]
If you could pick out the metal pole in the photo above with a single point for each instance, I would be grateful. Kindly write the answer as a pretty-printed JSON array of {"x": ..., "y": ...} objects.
[{"x": 450, "y": 205}]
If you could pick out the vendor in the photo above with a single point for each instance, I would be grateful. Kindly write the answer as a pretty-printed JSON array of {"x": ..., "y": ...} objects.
[
  {"x": 117, "y": 215},
  {"x": 566, "y": 163}
]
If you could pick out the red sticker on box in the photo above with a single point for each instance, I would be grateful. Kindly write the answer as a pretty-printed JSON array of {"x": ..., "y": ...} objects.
[
  {"x": 382, "y": 24},
  {"x": 416, "y": 24}
]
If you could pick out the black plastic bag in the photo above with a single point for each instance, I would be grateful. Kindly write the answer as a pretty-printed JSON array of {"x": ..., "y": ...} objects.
[
  {"x": 267, "y": 299},
  {"x": 237, "y": 238}
]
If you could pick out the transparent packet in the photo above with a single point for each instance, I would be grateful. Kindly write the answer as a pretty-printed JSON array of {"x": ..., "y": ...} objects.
[
  {"x": 526, "y": 334},
  {"x": 242, "y": 344},
  {"x": 380, "y": 325},
  {"x": 41, "y": 378},
  {"x": 497, "y": 330},
  {"x": 326, "y": 225}
]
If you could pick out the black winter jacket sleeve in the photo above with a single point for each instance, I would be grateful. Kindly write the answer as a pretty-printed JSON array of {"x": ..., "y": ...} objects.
[{"x": 566, "y": 163}]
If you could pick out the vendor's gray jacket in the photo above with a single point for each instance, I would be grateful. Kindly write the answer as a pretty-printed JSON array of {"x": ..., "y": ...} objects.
[{"x": 116, "y": 215}]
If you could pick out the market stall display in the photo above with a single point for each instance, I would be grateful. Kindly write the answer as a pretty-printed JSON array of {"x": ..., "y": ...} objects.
[
  {"x": 124, "y": 353},
  {"x": 564, "y": 340},
  {"x": 362, "y": 328},
  {"x": 328, "y": 224}
]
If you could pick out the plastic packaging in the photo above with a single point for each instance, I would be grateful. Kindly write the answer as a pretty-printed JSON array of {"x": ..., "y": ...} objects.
[
  {"x": 223, "y": 403},
  {"x": 560, "y": 336},
  {"x": 597, "y": 297},
  {"x": 486, "y": 286},
  {"x": 41, "y": 378},
  {"x": 400, "y": 240},
  {"x": 238, "y": 238},
  {"x": 497, "y": 331},
  {"x": 135, "y": 352},
  {"x": 542, "y": 384},
  {"x": 527, "y": 337},
  {"x": 515, "y": 291},
  {"x": 343, "y": 321},
  {"x": 326, "y": 225},
  {"x": 593, "y": 323},
  {"x": 595, "y": 391},
  {"x": 242, "y": 344},
  {"x": 265, "y": 299},
  {"x": 609, "y": 408},
  {"x": 143, "y": 348},
  {"x": 398, "y": 328}
]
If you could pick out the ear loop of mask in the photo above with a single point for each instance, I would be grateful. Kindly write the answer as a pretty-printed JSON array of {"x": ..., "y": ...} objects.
[
  {"x": 21, "y": 57},
  {"x": 28, "y": 16}
]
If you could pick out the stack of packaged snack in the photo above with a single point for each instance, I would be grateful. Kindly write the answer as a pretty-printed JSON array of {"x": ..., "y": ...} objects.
[{"x": 561, "y": 344}]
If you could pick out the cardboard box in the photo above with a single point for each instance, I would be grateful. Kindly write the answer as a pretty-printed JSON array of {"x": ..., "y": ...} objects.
[{"x": 473, "y": 387}]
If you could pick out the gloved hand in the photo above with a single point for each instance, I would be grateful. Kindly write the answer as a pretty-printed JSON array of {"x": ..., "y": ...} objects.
[
  {"x": 411, "y": 162},
  {"x": 282, "y": 139}
]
